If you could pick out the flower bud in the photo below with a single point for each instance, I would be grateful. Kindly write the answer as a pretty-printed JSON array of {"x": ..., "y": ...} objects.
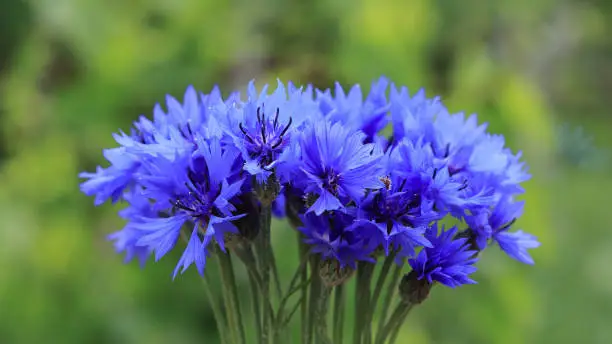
[
  {"x": 413, "y": 291},
  {"x": 332, "y": 274},
  {"x": 268, "y": 191}
]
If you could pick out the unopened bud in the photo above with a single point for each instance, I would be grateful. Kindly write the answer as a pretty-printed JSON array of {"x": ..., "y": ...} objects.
[
  {"x": 332, "y": 274},
  {"x": 413, "y": 291}
]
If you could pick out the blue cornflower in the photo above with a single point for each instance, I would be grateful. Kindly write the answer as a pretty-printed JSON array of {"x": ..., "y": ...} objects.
[
  {"x": 125, "y": 240},
  {"x": 264, "y": 143},
  {"x": 335, "y": 236},
  {"x": 336, "y": 166},
  {"x": 193, "y": 188},
  {"x": 515, "y": 173},
  {"x": 112, "y": 181},
  {"x": 279, "y": 206},
  {"x": 471, "y": 153},
  {"x": 494, "y": 224},
  {"x": 449, "y": 193},
  {"x": 369, "y": 116},
  {"x": 348, "y": 189},
  {"x": 412, "y": 116},
  {"x": 265, "y": 126},
  {"x": 398, "y": 215},
  {"x": 167, "y": 133},
  {"x": 449, "y": 261}
]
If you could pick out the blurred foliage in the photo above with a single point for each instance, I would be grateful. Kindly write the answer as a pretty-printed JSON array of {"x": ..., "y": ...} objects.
[{"x": 74, "y": 71}]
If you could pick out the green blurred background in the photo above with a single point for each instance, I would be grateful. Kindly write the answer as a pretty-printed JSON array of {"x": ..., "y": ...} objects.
[{"x": 73, "y": 71}]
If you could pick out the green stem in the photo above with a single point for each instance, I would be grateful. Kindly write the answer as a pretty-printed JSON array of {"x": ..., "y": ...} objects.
[
  {"x": 396, "y": 331},
  {"x": 281, "y": 320},
  {"x": 275, "y": 272},
  {"x": 264, "y": 266},
  {"x": 395, "y": 322},
  {"x": 293, "y": 288},
  {"x": 232, "y": 301},
  {"x": 315, "y": 292},
  {"x": 321, "y": 316},
  {"x": 380, "y": 283},
  {"x": 217, "y": 311},
  {"x": 362, "y": 302},
  {"x": 391, "y": 289},
  {"x": 338, "y": 316},
  {"x": 247, "y": 257},
  {"x": 256, "y": 306},
  {"x": 303, "y": 251}
]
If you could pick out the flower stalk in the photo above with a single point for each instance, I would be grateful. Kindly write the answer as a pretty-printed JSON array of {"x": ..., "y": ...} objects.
[
  {"x": 361, "y": 332},
  {"x": 264, "y": 257},
  {"x": 230, "y": 295},
  {"x": 338, "y": 313}
]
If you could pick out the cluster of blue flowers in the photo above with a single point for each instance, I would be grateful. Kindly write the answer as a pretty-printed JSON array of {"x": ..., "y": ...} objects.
[{"x": 362, "y": 177}]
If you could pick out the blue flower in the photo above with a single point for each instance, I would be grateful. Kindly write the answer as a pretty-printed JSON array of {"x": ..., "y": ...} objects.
[
  {"x": 196, "y": 166},
  {"x": 369, "y": 116},
  {"x": 264, "y": 141},
  {"x": 516, "y": 244},
  {"x": 456, "y": 194},
  {"x": 166, "y": 134},
  {"x": 262, "y": 127},
  {"x": 335, "y": 236},
  {"x": 494, "y": 224},
  {"x": 279, "y": 205},
  {"x": 125, "y": 240},
  {"x": 194, "y": 188},
  {"x": 449, "y": 261},
  {"x": 412, "y": 116},
  {"x": 112, "y": 181},
  {"x": 336, "y": 166},
  {"x": 397, "y": 215}
]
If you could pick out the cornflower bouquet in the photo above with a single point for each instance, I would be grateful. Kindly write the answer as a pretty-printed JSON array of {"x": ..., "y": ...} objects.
[{"x": 365, "y": 184}]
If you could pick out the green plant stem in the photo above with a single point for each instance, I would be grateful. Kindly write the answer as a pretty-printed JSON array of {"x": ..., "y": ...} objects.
[
  {"x": 216, "y": 308},
  {"x": 246, "y": 256},
  {"x": 230, "y": 293},
  {"x": 293, "y": 288},
  {"x": 382, "y": 277},
  {"x": 303, "y": 251},
  {"x": 380, "y": 283},
  {"x": 338, "y": 315},
  {"x": 217, "y": 311},
  {"x": 396, "y": 331},
  {"x": 256, "y": 306},
  {"x": 321, "y": 316},
  {"x": 391, "y": 289},
  {"x": 395, "y": 322},
  {"x": 281, "y": 320},
  {"x": 362, "y": 302},
  {"x": 263, "y": 254},
  {"x": 275, "y": 275},
  {"x": 315, "y": 292}
]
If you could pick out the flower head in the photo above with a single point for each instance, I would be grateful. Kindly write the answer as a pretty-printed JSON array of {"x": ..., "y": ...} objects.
[
  {"x": 448, "y": 260},
  {"x": 494, "y": 224},
  {"x": 334, "y": 236},
  {"x": 204, "y": 168},
  {"x": 397, "y": 215},
  {"x": 336, "y": 166},
  {"x": 369, "y": 116},
  {"x": 262, "y": 127}
]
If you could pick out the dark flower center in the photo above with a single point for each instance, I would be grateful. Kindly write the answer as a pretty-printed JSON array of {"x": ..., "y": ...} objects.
[
  {"x": 394, "y": 206},
  {"x": 330, "y": 181},
  {"x": 267, "y": 139},
  {"x": 198, "y": 201}
]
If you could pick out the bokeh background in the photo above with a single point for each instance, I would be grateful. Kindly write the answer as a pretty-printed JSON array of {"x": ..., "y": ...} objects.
[{"x": 72, "y": 72}]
